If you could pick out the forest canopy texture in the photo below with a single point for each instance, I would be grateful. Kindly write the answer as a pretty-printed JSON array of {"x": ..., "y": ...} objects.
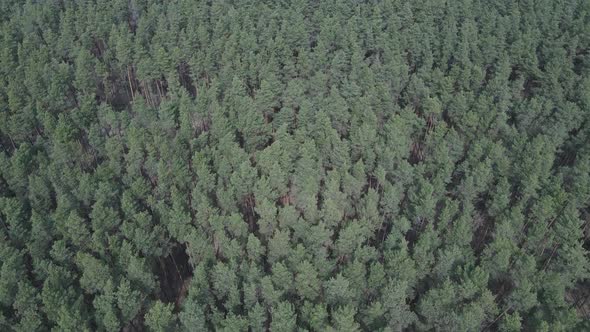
[{"x": 392, "y": 165}]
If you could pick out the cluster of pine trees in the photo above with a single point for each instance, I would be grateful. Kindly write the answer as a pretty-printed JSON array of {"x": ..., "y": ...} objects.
[{"x": 376, "y": 165}]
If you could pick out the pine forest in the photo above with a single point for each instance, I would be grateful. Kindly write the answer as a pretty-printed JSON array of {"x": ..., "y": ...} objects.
[{"x": 294, "y": 165}]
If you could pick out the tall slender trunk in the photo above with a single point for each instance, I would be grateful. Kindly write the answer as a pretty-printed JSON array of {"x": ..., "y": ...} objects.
[
  {"x": 130, "y": 84},
  {"x": 158, "y": 86},
  {"x": 12, "y": 141}
]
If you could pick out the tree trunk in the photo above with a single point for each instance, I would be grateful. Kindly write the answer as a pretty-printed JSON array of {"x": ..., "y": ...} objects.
[{"x": 130, "y": 84}]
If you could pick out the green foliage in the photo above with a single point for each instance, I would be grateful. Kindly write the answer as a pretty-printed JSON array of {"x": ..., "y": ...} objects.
[
  {"x": 160, "y": 317},
  {"x": 283, "y": 317},
  {"x": 294, "y": 165}
]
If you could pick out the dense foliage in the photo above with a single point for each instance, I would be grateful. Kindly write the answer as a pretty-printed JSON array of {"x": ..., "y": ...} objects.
[{"x": 294, "y": 165}]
